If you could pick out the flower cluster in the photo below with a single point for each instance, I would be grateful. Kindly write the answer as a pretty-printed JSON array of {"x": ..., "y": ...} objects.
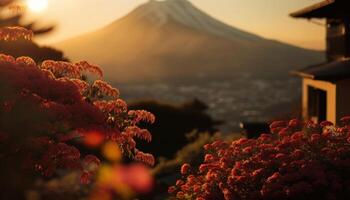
[
  {"x": 15, "y": 8},
  {"x": 46, "y": 109},
  {"x": 15, "y": 33},
  {"x": 102, "y": 89},
  {"x": 54, "y": 114},
  {"x": 71, "y": 70},
  {"x": 141, "y": 115},
  {"x": 296, "y": 161}
]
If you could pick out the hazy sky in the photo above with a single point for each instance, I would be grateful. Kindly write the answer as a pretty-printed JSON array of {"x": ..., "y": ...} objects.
[{"x": 267, "y": 18}]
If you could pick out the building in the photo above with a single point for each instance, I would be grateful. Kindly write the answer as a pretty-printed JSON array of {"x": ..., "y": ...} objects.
[{"x": 326, "y": 86}]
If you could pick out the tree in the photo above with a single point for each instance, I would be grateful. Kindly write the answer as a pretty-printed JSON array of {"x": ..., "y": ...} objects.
[
  {"x": 296, "y": 161},
  {"x": 183, "y": 119},
  {"x": 48, "y": 107},
  {"x": 23, "y": 47}
]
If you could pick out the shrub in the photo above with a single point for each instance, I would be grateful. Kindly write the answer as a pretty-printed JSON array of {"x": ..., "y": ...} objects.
[
  {"x": 188, "y": 117},
  {"x": 296, "y": 161},
  {"x": 48, "y": 109},
  {"x": 45, "y": 109},
  {"x": 190, "y": 153},
  {"x": 12, "y": 21}
]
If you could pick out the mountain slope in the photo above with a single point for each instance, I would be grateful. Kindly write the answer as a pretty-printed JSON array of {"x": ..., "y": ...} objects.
[{"x": 172, "y": 39}]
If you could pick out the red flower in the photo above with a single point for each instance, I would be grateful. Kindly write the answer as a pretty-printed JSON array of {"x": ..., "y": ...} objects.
[
  {"x": 247, "y": 150},
  {"x": 326, "y": 123},
  {"x": 85, "y": 177},
  {"x": 273, "y": 177},
  {"x": 298, "y": 164},
  {"x": 278, "y": 124},
  {"x": 208, "y": 158},
  {"x": 180, "y": 195},
  {"x": 298, "y": 154},
  {"x": 196, "y": 188},
  {"x": 257, "y": 173},
  {"x": 171, "y": 189},
  {"x": 185, "y": 168},
  {"x": 315, "y": 138},
  {"x": 345, "y": 120},
  {"x": 15, "y": 33},
  {"x": 54, "y": 99},
  {"x": 294, "y": 123},
  {"x": 179, "y": 182}
]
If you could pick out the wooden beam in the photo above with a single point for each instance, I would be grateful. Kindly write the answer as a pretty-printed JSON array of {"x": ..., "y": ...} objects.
[{"x": 311, "y": 8}]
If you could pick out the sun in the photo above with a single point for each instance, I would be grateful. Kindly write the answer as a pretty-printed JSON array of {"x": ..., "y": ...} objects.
[{"x": 37, "y": 5}]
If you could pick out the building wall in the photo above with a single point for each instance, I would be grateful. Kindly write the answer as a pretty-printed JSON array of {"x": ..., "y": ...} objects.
[
  {"x": 330, "y": 88},
  {"x": 343, "y": 98}
]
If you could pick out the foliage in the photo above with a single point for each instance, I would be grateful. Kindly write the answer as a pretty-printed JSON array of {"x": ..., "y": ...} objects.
[
  {"x": 166, "y": 171},
  {"x": 31, "y": 49},
  {"x": 47, "y": 110},
  {"x": 191, "y": 153},
  {"x": 15, "y": 36},
  {"x": 296, "y": 161},
  {"x": 11, "y": 17},
  {"x": 43, "y": 108},
  {"x": 188, "y": 117}
]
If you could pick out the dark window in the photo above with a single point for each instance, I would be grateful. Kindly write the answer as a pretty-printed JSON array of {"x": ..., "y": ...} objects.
[{"x": 317, "y": 104}]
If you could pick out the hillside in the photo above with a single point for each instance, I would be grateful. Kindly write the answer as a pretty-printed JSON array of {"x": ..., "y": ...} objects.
[{"x": 172, "y": 39}]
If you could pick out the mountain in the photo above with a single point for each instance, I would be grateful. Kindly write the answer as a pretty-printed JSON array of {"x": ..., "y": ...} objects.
[{"x": 172, "y": 40}]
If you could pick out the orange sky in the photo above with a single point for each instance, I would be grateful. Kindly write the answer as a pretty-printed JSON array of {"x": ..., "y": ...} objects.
[{"x": 268, "y": 18}]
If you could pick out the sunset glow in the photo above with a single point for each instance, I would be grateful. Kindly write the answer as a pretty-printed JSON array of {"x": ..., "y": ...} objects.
[
  {"x": 268, "y": 18},
  {"x": 37, "y": 5}
]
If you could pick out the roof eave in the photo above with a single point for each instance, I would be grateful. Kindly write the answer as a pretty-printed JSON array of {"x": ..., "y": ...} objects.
[
  {"x": 302, "y": 74},
  {"x": 302, "y": 13}
]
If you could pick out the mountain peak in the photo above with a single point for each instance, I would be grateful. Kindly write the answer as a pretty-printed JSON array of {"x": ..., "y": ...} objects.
[
  {"x": 168, "y": 1},
  {"x": 172, "y": 39},
  {"x": 160, "y": 11},
  {"x": 184, "y": 12}
]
